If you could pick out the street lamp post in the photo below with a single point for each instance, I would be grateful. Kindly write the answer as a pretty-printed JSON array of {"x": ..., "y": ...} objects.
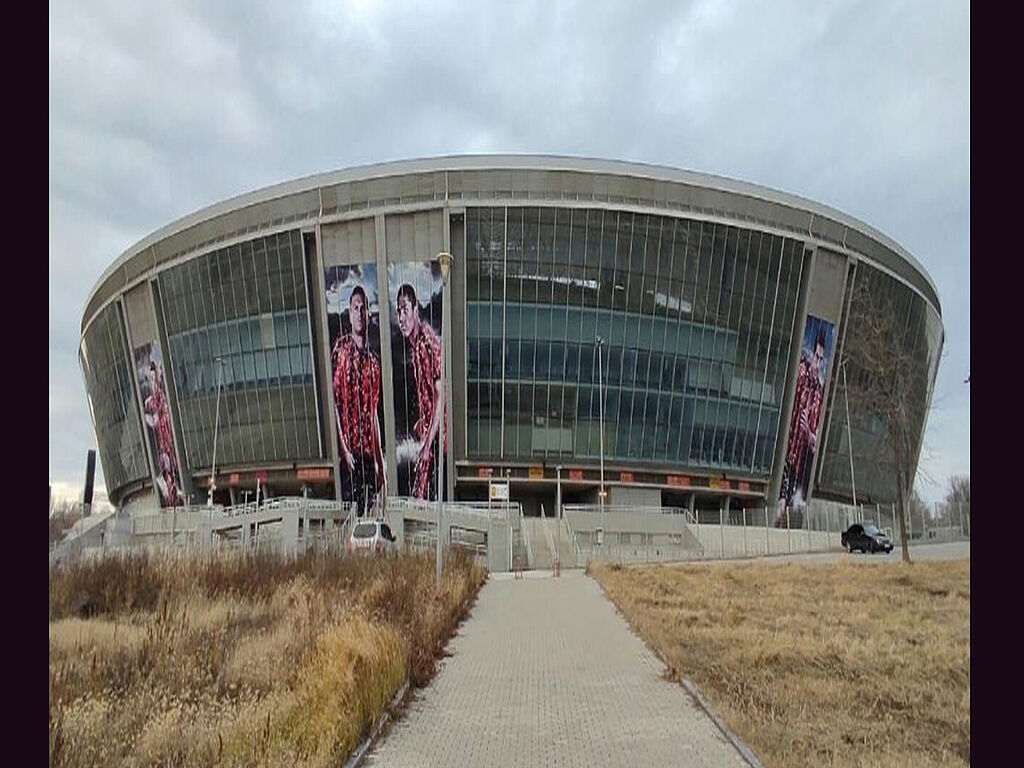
[
  {"x": 216, "y": 427},
  {"x": 445, "y": 260},
  {"x": 600, "y": 395}
]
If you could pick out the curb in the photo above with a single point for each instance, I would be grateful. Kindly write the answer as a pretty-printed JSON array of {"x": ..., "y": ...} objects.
[
  {"x": 745, "y": 752},
  {"x": 357, "y": 757}
]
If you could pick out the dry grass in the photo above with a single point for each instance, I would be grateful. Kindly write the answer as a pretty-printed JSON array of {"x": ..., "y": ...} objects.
[
  {"x": 235, "y": 662},
  {"x": 818, "y": 665}
]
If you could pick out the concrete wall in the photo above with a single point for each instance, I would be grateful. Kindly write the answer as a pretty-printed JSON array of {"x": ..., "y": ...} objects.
[
  {"x": 634, "y": 497},
  {"x": 145, "y": 503}
]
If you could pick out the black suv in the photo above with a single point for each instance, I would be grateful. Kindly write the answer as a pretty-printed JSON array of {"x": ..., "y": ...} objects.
[{"x": 867, "y": 538}]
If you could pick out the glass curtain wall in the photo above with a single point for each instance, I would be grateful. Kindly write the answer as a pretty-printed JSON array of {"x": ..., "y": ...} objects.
[
  {"x": 245, "y": 304},
  {"x": 920, "y": 343},
  {"x": 111, "y": 391},
  {"x": 697, "y": 318}
]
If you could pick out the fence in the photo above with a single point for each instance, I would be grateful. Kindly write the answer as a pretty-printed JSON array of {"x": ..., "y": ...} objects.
[
  {"x": 497, "y": 532},
  {"x": 631, "y": 534},
  {"x": 660, "y": 534}
]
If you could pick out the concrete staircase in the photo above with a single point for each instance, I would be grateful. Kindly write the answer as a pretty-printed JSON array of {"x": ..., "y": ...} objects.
[
  {"x": 520, "y": 555},
  {"x": 548, "y": 539}
]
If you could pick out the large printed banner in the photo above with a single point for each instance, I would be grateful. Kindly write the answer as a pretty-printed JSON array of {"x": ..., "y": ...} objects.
[
  {"x": 149, "y": 370},
  {"x": 807, "y": 406},
  {"x": 353, "y": 327},
  {"x": 414, "y": 289}
]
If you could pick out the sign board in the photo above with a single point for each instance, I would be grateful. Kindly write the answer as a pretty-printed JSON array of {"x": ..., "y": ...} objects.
[
  {"x": 498, "y": 491},
  {"x": 484, "y": 471},
  {"x": 575, "y": 474},
  {"x": 679, "y": 481},
  {"x": 261, "y": 475},
  {"x": 600, "y": 536},
  {"x": 744, "y": 485},
  {"x": 625, "y": 477},
  {"x": 233, "y": 478},
  {"x": 313, "y": 473},
  {"x": 718, "y": 482},
  {"x": 536, "y": 473}
]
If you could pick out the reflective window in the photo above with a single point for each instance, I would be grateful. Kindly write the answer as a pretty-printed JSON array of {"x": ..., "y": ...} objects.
[
  {"x": 112, "y": 402},
  {"x": 918, "y": 328},
  {"x": 696, "y": 318},
  {"x": 246, "y": 305}
]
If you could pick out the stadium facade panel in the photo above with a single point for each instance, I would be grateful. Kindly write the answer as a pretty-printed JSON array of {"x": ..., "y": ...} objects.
[{"x": 687, "y": 333}]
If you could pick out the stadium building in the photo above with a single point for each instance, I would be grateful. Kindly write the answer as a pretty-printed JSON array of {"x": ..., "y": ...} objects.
[{"x": 680, "y": 335}]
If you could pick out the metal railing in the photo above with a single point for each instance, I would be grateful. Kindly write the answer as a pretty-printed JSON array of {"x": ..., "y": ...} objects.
[
  {"x": 639, "y": 534},
  {"x": 610, "y": 533}
]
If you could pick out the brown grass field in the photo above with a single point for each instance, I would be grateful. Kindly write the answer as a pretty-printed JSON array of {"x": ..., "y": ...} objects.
[
  {"x": 815, "y": 664},
  {"x": 234, "y": 662}
]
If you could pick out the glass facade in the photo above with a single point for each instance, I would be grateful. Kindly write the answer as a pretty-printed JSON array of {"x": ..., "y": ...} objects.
[
  {"x": 694, "y": 288},
  {"x": 697, "y": 319},
  {"x": 245, "y": 304},
  {"x": 920, "y": 343},
  {"x": 111, "y": 392}
]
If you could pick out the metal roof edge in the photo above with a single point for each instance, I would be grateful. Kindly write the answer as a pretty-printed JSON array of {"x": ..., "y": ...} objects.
[{"x": 525, "y": 161}]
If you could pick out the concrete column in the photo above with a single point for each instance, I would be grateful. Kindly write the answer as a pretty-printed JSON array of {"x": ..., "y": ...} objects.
[
  {"x": 743, "y": 522},
  {"x": 290, "y": 534},
  {"x": 558, "y": 493},
  {"x": 721, "y": 530}
]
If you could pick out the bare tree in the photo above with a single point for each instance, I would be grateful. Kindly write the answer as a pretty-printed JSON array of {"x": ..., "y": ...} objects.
[
  {"x": 959, "y": 491},
  {"x": 917, "y": 510},
  {"x": 891, "y": 373},
  {"x": 958, "y": 498},
  {"x": 64, "y": 513}
]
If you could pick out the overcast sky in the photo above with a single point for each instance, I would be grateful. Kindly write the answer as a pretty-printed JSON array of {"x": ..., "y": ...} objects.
[{"x": 158, "y": 109}]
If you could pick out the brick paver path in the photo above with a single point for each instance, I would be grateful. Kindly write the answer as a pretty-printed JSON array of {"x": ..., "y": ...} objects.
[{"x": 546, "y": 673}]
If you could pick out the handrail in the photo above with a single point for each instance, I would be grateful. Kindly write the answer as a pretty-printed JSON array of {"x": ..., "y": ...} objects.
[
  {"x": 526, "y": 539},
  {"x": 550, "y": 539}
]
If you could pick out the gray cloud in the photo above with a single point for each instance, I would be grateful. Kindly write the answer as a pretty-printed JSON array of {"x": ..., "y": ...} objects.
[{"x": 157, "y": 110}]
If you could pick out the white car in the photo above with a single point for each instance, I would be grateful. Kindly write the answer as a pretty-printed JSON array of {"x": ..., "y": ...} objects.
[{"x": 372, "y": 536}]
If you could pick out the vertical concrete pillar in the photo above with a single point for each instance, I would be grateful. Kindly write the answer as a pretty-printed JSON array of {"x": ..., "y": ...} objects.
[
  {"x": 290, "y": 534},
  {"x": 723, "y": 513},
  {"x": 558, "y": 493}
]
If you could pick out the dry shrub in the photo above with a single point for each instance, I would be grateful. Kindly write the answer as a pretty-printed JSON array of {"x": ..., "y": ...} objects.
[
  {"x": 228, "y": 661},
  {"x": 848, "y": 664}
]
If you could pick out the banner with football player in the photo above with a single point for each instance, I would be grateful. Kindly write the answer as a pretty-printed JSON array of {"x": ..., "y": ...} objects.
[
  {"x": 414, "y": 290},
  {"x": 353, "y": 327},
  {"x": 156, "y": 414},
  {"x": 807, "y": 411}
]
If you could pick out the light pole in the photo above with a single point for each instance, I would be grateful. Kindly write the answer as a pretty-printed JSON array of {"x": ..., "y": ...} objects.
[
  {"x": 849, "y": 435},
  {"x": 216, "y": 426},
  {"x": 445, "y": 259},
  {"x": 600, "y": 395}
]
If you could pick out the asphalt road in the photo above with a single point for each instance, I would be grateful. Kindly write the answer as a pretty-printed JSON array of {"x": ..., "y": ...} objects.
[{"x": 953, "y": 550}]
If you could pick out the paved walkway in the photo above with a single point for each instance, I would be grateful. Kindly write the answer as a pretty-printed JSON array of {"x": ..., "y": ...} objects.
[{"x": 546, "y": 673}]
